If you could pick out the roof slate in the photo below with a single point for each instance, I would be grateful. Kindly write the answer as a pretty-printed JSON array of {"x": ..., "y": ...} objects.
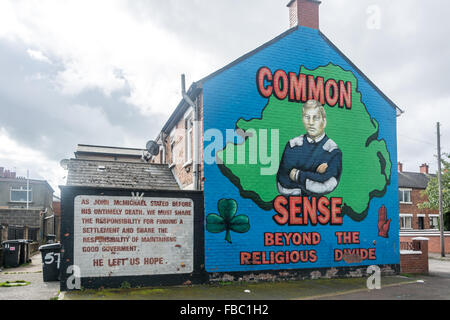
[
  {"x": 414, "y": 180},
  {"x": 127, "y": 175}
]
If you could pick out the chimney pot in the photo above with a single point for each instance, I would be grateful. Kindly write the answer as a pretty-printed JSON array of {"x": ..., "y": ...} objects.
[
  {"x": 304, "y": 13},
  {"x": 400, "y": 167},
  {"x": 424, "y": 168}
]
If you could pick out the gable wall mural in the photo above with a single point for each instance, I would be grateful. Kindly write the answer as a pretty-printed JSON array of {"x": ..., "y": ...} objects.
[{"x": 298, "y": 162}]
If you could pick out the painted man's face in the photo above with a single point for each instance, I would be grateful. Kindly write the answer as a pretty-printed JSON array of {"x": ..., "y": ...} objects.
[{"x": 314, "y": 122}]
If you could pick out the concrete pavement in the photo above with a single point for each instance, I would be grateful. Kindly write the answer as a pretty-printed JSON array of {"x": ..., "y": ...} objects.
[
  {"x": 434, "y": 286},
  {"x": 439, "y": 264},
  {"x": 32, "y": 273},
  {"x": 425, "y": 288},
  {"x": 232, "y": 291}
]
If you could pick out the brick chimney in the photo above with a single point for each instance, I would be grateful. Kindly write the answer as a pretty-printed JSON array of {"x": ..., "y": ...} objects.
[
  {"x": 304, "y": 13},
  {"x": 424, "y": 168},
  {"x": 400, "y": 167},
  {"x": 8, "y": 174}
]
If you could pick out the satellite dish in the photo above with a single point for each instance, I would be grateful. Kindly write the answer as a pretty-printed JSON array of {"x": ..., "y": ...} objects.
[
  {"x": 64, "y": 164},
  {"x": 152, "y": 147}
]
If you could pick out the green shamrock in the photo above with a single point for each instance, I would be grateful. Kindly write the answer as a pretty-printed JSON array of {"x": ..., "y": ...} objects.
[{"x": 227, "y": 220}]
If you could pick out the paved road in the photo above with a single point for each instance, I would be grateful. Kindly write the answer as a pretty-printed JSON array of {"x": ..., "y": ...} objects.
[
  {"x": 36, "y": 290},
  {"x": 435, "y": 286},
  {"x": 440, "y": 268}
]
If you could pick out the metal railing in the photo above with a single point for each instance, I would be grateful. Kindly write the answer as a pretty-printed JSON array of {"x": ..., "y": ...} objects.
[{"x": 411, "y": 246}]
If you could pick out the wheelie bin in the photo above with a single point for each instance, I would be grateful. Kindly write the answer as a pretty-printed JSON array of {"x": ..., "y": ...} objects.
[
  {"x": 50, "y": 238},
  {"x": 51, "y": 261},
  {"x": 24, "y": 251},
  {"x": 11, "y": 252},
  {"x": 1, "y": 258}
]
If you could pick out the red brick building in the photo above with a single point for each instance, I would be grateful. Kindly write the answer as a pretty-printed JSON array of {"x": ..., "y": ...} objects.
[{"x": 411, "y": 184}]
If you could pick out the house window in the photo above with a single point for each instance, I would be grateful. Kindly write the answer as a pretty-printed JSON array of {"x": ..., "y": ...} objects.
[
  {"x": 172, "y": 148},
  {"x": 20, "y": 195},
  {"x": 434, "y": 222},
  {"x": 421, "y": 221},
  {"x": 405, "y": 196},
  {"x": 188, "y": 139},
  {"x": 406, "y": 221}
]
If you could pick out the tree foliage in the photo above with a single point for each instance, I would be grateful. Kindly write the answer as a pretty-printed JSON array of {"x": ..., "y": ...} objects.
[{"x": 432, "y": 191}]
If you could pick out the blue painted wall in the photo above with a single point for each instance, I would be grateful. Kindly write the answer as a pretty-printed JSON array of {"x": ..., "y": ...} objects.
[{"x": 231, "y": 95}]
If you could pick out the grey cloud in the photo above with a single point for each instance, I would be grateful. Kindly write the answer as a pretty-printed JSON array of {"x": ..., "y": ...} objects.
[
  {"x": 407, "y": 58},
  {"x": 226, "y": 29},
  {"x": 36, "y": 115},
  {"x": 410, "y": 37}
]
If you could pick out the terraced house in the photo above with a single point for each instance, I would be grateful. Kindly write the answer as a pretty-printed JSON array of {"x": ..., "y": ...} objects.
[
  {"x": 411, "y": 185},
  {"x": 26, "y": 207},
  {"x": 229, "y": 134}
]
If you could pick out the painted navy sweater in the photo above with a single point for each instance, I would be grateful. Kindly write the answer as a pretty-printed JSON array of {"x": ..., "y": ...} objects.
[{"x": 306, "y": 155}]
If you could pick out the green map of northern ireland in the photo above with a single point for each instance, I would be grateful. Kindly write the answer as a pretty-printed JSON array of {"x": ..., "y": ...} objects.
[{"x": 366, "y": 162}]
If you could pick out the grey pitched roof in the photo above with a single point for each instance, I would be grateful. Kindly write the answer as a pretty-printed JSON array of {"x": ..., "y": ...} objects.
[
  {"x": 414, "y": 180},
  {"x": 115, "y": 174}
]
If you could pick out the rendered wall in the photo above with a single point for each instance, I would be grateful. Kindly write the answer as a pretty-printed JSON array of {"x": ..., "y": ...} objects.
[
  {"x": 252, "y": 114},
  {"x": 111, "y": 238},
  {"x": 21, "y": 217}
]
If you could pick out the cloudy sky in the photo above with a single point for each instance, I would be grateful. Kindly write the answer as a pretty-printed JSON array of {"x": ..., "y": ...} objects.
[{"x": 107, "y": 72}]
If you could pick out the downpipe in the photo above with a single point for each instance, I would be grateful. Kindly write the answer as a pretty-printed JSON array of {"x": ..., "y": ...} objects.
[{"x": 195, "y": 129}]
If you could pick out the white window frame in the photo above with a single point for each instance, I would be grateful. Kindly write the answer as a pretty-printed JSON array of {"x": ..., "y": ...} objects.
[
  {"x": 431, "y": 217},
  {"x": 404, "y": 218},
  {"x": 21, "y": 189},
  {"x": 402, "y": 190}
]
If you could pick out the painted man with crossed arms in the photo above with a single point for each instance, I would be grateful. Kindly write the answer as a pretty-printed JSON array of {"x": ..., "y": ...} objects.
[{"x": 312, "y": 163}]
